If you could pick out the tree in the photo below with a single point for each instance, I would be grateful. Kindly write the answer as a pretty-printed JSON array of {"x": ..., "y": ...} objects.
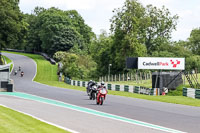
[
  {"x": 64, "y": 39},
  {"x": 128, "y": 28},
  {"x": 11, "y": 24},
  {"x": 139, "y": 30},
  {"x": 194, "y": 41},
  {"x": 76, "y": 66},
  {"x": 193, "y": 62},
  {"x": 160, "y": 24},
  {"x": 100, "y": 51},
  {"x": 54, "y": 30},
  {"x": 83, "y": 29}
]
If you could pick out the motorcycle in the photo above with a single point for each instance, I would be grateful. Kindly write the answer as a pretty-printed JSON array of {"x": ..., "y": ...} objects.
[
  {"x": 101, "y": 95},
  {"x": 87, "y": 90},
  {"x": 92, "y": 92},
  {"x": 15, "y": 73},
  {"x": 89, "y": 87},
  {"x": 22, "y": 74}
]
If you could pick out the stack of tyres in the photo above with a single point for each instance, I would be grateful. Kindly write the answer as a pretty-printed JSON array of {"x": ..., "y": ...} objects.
[
  {"x": 191, "y": 92},
  {"x": 117, "y": 87},
  {"x": 74, "y": 82},
  {"x": 152, "y": 91},
  {"x": 184, "y": 91},
  {"x": 126, "y": 88},
  {"x": 136, "y": 90},
  {"x": 83, "y": 83},
  {"x": 197, "y": 93},
  {"x": 78, "y": 83},
  {"x": 109, "y": 87}
]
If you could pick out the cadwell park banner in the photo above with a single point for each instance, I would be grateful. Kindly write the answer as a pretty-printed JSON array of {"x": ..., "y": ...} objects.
[{"x": 161, "y": 63}]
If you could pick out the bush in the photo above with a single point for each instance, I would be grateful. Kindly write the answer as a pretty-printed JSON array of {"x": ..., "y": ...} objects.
[
  {"x": 177, "y": 92},
  {"x": 76, "y": 66}
]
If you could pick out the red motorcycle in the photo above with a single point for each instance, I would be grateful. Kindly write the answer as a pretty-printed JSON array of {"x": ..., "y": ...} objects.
[
  {"x": 22, "y": 74},
  {"x": 101, "y": 95}
]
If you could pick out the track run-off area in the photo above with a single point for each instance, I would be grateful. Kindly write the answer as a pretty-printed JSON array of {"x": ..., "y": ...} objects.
[{"x": 72, "y": 109}]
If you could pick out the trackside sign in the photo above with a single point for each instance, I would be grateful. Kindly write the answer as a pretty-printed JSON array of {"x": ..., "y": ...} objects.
[{"x": 161, "y": 63}]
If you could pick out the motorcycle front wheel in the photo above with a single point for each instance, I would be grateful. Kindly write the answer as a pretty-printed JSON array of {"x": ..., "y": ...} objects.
[
  {"x": 93, "y": 96},
  {"x": 101, "y": 100},
  {"x": 97, "y": 103}
]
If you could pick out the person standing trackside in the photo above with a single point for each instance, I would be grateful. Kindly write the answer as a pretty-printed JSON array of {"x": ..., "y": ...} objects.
[{"x": 15, "y": 72}]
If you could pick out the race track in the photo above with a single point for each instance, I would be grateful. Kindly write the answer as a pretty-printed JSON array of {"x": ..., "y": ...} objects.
[{"x": 179, "y": 117}]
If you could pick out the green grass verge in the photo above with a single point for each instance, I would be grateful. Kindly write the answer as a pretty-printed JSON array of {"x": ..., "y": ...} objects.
[
  {"x": 15, "y": 122},
  {"x": 8, "y": 61},
  {"x": 45, "y": 68}
]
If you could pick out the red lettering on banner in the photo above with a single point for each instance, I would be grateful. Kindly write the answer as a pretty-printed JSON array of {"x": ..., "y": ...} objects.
[{"x": 163, "y": 64}]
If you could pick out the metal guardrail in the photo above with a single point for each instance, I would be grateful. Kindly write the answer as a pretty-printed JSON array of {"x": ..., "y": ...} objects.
[
  {"x": 125, "y": 88},
  {"x": 51, "y": 60}
]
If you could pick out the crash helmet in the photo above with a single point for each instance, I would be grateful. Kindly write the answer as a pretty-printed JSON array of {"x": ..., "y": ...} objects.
[{"x": 102, "y": 83}]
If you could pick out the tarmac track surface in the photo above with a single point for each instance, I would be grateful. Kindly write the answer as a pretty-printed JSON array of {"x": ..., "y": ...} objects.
[{"x": 179, "y": 117}]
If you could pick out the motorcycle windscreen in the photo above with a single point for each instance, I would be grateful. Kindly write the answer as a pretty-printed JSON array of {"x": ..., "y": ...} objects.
[{"x": 103, "y": 91}]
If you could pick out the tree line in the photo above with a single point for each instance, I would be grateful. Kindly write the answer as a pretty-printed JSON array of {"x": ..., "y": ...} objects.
[{"x": 136, "y": 30}]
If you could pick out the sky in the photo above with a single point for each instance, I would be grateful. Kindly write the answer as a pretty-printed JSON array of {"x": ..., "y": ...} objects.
[{"x": 97, "y": 13}]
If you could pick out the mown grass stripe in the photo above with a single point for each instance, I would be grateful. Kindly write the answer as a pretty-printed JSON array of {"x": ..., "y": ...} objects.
[{"x": 90, "y": 111}]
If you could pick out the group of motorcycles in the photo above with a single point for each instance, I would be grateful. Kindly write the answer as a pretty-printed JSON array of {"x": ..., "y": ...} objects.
[
  {"x": 22, "y": 73},
  {"x": 97, "y": 92}
]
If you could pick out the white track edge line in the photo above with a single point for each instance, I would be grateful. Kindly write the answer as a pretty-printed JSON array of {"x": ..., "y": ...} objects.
[
  {"x": 64, "y": 128},
  {"x": 105, "y": 113}
]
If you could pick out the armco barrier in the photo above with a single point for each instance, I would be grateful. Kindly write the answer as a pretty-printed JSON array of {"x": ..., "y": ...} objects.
[
  {"x": 126, "y": 88},
  {"x": 51, "y": 60}
]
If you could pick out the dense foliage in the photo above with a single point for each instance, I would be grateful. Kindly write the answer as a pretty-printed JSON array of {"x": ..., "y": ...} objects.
[
  {"x": 136, "y": 30},
  {"x": 76, "y": 66},
  {"x": 52, "y": 30}
]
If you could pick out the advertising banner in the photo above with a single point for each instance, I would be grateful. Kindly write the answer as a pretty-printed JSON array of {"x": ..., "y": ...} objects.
[{"x": 161, "y": 63}]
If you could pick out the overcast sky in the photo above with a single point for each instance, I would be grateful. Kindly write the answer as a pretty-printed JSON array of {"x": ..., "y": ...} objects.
[{"x": 97, "y": 13}]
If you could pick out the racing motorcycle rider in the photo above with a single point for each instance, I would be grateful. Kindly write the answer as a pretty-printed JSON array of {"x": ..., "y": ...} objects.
[
  {"x": 100, "y": 86},
  {"x": 89, "y": 85}
]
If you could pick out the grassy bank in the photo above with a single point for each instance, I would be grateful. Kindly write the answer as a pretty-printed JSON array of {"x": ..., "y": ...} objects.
[
  {"x": 15, "y": 122},
  {"x": 45, "y": 71},
  {"x": 8, "y": 61},
  {"x": 44, "y": 68}
]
